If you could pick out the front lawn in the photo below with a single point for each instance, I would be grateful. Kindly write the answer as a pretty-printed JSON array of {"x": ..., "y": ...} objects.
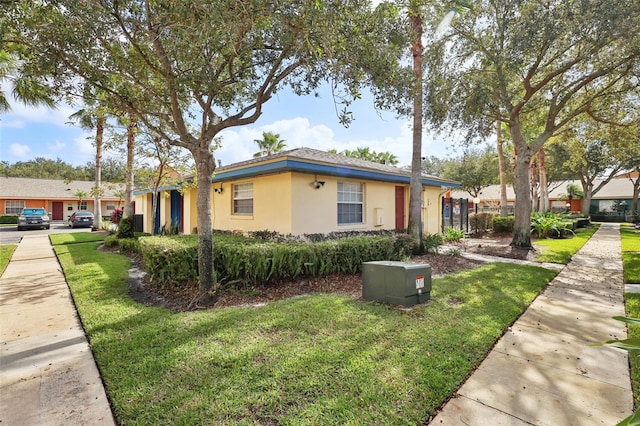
[
  {"x": 316, "y": 359},
  {"x": 6, "y": 251},
  {"x": 76, "y": 237},
  {"x": 560, "y": 250},
  {"x": 630, "y": 239}
]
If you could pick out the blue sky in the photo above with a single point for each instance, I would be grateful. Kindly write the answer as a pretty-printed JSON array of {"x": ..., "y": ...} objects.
[{"x": 26, "y": 133}]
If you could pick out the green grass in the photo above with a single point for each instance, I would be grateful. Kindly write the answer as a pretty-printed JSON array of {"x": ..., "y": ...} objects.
[
  {"x": 76, "y": 237},
  {"x": 6, "y": 251},
  {"x": 630, "y": 239},
  {"x": 560, "y": 250},
  {"x": 317, "y": 359},
  {"x": 632, "y": 305}
]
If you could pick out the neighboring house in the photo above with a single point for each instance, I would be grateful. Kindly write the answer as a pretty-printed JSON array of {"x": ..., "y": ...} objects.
[
  {"x": 57, "y": 196},
  {"x": 301, "y": 191},
  {"x": 612, "y": 202}
]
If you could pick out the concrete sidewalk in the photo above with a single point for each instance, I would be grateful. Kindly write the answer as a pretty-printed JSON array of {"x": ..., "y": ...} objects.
[
  {"x": 47, "y": 372},
  {"x": 543, "y": 371}
]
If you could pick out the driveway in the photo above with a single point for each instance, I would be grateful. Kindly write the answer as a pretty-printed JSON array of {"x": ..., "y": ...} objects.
[{"x": 11, "y": 235}]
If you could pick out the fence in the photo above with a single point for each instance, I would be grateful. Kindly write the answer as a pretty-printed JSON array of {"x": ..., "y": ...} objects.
[{"x": 455, "y": 213}]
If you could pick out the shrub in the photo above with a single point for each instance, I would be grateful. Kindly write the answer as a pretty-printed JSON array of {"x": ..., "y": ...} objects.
[
  {"x": 453, "y": 235},
  {"x": 480, "y": 221},
  {"x": 431, "y": 242},
  {"x": 238, "y": 261},
  {"x": 11, "y": 219},
  {"x": 125, "y": 228},
  {"x": 551, "y": 225},
  {"x": 503, "y": 224}
]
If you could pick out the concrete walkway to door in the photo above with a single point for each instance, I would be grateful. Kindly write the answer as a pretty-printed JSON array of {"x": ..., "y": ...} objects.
[
  {"x": 544, "y": 370},
  {"x": 47, "y": 372}
]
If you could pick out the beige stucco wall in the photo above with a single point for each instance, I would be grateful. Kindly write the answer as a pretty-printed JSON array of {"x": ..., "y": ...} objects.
[{"x": 271, "y": 205}]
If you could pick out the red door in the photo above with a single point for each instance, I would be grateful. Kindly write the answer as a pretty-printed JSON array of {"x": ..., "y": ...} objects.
[
  {"x": 400, "y": 207},
  {"x": 57, "y": 212}
]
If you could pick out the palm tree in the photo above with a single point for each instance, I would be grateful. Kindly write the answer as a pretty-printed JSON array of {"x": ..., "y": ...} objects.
[
  {"x": 81, "y": 195},
  {"x": 94, "y": 118},
  {"x": 269, "y": 144},
  {"x": 25, "y": 89}
]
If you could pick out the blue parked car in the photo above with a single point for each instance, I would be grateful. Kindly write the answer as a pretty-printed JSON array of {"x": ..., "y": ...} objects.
[{"x": 81, "y": 219}]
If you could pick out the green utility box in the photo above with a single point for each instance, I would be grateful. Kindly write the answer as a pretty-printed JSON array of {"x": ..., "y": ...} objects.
[{"x": 399, "y": 283}]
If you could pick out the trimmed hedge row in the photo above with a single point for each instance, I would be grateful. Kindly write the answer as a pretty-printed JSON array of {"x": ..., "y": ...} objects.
[
  {"x": 173, "y": 261},
  {"x": 11, "y": 219}
]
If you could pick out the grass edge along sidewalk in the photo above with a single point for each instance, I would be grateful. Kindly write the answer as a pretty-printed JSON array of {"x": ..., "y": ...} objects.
[
  {"x": 314, "y": 359},
  {"x": 630, "y": 239}
]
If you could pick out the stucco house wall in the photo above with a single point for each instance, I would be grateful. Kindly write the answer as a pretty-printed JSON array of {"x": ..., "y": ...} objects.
[{"x": 297, "y": 192}]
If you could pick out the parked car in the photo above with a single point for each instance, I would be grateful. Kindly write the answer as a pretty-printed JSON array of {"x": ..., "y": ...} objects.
[
  {"x": 33, "y": 218},
  {"x": 80, "y": 219}
]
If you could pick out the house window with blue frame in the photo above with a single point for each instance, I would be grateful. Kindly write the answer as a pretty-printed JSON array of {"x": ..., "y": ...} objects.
[
  {"x": 243, "y": 199},
  {"x": 350, "y": 203}
]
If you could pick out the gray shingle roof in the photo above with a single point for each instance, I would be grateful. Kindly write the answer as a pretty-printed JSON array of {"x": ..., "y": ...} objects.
[
  {"x": 324, "y": 157},
  {"x": 51, "y": 189}
]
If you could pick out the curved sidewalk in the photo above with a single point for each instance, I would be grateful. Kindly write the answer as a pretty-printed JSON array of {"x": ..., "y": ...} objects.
[
  {"x": 47, "y": 372},
  {"x": 544, "y": 371}
]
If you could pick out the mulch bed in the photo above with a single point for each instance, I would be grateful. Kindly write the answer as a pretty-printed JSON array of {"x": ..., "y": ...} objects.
[{"x": 349, "y": 285}]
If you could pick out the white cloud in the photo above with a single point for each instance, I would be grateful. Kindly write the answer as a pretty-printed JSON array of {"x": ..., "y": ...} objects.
[
  {"x": 18, "y": 150},
  {"x": 14, "y": 124},
  {"x": 57, "y": 146},
  {"x": 238, "y": 145}
]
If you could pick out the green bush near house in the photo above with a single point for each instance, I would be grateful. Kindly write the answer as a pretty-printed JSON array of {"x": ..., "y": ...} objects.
[
  {"x": 173, "y": 261},
  {"x": 503, "y": 224},
  {"x": 480, "y": 222},
  {"x": 8, "y": 219}
]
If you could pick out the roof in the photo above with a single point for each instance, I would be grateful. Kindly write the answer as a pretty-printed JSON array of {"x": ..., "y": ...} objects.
[
  {"x": 51, "y": 189},
  {"x": 614, "y": 189},
  {"x": 322, "y": 162}
]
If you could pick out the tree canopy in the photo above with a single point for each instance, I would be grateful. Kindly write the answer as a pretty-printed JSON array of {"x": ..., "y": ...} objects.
[
  {"x": 535, "y": 66},
  {"x": 189, "y": 70}
]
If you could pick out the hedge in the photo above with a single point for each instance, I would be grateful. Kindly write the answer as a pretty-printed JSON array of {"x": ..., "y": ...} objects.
[
  {"x": 11, "y": 219},
  {"x": 503, "y": 224},
  {"x": 173, "y": 261},
  {"x": 481, "y": 222}
]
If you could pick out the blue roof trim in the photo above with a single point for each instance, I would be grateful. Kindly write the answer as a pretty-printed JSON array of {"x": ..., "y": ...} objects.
[
  {"x": 331, "y": 170},
  {"x": 286, "y": 165}
]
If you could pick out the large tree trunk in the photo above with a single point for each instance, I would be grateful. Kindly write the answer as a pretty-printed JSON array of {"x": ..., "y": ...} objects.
[
  {"x": 205, "y": 166},
  {"x": 131, "y": 137},
  {"x": 504, "y": 203},
  {"x": 97, "y": 208},
  {"x": 544, "y": 187},
  {"x": 533, "y": 168},
  {"x": 636, "y": 193},
  {"x": 522, "y": 224},
  {"x": 415, "y": 189}
]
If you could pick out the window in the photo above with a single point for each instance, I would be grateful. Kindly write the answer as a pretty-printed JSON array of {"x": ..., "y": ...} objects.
[
  {"x": 350, "y": 203},
  {"x": 243, "y": 199},
  {"x": 13, "y": 206},
  {"x": 82, "y": 205},
  {"x": 111, "y": 207}
]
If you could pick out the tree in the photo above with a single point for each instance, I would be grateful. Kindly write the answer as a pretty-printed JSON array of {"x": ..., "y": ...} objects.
[
  {"x": 269, "y": 144},
  {"x": 432, "y": 165},
  {"x": 94, "y": 116},
  {"x": 365, "y": 153},
  {"x": 80, "y": 195},
  {"x": 475, "y": 170},
  {"x": 164, "y": 165},
  {"x": 597, "y": 151},
  {"x": 534, "y": 66},
  {"x": 189, "y": 70}
]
